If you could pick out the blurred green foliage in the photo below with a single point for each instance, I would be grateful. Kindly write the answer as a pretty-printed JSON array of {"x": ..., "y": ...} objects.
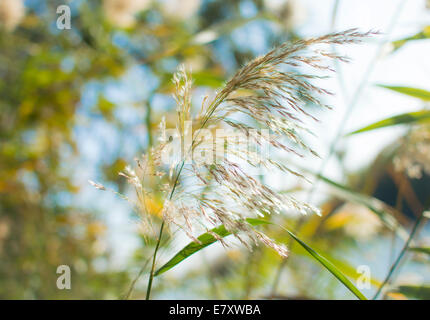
[{"x": 44, "y": 73}]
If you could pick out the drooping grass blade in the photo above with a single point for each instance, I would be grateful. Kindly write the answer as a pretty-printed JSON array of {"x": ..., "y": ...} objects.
[
  {"x": 422, "y": 116},
  {"x": 207, "y": 239},
  {"x": 409, "y": 91}
]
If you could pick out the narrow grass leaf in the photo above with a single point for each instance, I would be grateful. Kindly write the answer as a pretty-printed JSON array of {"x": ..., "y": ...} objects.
[
  {"x": 405, "y": 118},
  {"x": 346, "y": 268},
  {"x": 384, "y": 212},
  {"x": 330, "y": 267},
  {"x": 414, "y": 291},
  {"x": 422, "y": 35},
  {"x": 207, "y": 239},
  {"x": 409, "y": 91},
  {"x": 421, "y": 249}
]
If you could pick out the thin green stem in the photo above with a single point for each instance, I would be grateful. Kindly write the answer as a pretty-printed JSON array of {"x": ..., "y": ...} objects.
[
  {"x": 132, "y": 285},
  {"x": 151, "y": 276},
  {"x": 400, "y": 256}
]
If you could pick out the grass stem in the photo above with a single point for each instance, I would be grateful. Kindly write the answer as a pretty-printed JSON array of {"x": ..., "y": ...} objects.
[
  {"x": 151, "y": 275},
  {"x": 400, "y": 256}
]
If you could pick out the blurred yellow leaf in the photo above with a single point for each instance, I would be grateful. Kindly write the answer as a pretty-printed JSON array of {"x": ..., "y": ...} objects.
[{"x": 95, "y": 229}]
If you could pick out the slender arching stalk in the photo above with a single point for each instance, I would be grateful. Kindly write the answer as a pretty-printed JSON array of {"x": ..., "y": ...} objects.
[
  {"x": 211, "y": 109},
  {"x": 151, "y": 275},
  {"x": 401, "y": 255},
  {"x": 133, "y": 283}
]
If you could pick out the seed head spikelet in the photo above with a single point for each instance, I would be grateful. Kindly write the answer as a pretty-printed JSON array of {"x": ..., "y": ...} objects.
[{"x": 265, "y": 104}]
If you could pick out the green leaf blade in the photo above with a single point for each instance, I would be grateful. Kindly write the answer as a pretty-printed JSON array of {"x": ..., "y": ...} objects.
[
  {"x": 422, "y": 35},
  {"x": 330, "y": 267},
  {"x": 421, "y": 116},
  {"x": 409, "y": 91},
  {"x": 383, "y": 211},
  {"x": 414, "y": 291},
  {"x": 206, "y": 239},
  {"x": 425, "y": 250}
]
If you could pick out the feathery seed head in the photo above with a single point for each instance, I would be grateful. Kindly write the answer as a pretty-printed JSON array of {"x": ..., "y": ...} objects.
[{"x": 263, "y": 105}]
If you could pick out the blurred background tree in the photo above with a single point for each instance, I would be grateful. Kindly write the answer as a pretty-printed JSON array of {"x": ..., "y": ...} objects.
[{"x": 43, "y": 74}]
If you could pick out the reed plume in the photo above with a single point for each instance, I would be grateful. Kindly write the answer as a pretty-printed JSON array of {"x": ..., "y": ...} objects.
[{"x": 264, "y": 105}]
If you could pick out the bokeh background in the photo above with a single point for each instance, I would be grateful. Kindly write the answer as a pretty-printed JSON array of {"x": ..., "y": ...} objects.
[{"x": 79, "y": 104}]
